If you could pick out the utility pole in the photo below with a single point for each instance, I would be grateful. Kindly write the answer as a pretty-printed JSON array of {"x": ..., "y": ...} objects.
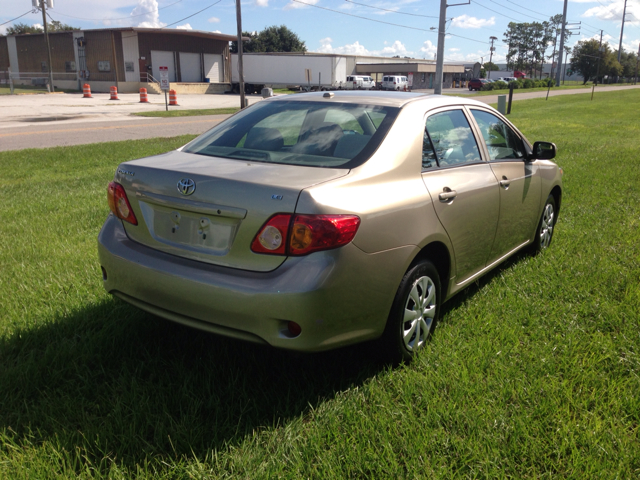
[
  {"x": 46, "y": 37},
  {"x": 624, "y": 15},
  {"x": 240, "y": 69},
  {"x": 561, "y": 49},
  {"x": 440, "y": 55},
  {"x": 598, "y": 69},
  {"x": 492, "y": 49}
]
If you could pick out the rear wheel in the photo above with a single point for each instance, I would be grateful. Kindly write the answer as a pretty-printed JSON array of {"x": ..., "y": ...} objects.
[{"x": 414, "y": 312}]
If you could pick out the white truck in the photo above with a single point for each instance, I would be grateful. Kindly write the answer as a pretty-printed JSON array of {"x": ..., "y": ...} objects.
[{"x": 307, "y": 71}]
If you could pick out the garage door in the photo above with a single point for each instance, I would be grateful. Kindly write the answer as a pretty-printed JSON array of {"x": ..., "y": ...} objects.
[
  {"x": 163, "y": 59},
  {"x": 213, "y": 67},
  {"x": 190, "y": 67}
]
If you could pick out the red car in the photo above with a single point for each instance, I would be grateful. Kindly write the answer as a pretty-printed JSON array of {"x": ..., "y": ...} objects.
[{"x": 477, "y": 83}]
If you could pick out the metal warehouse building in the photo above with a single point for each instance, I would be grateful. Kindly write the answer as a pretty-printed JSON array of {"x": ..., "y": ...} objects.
[{"x": 128, "y": 58}]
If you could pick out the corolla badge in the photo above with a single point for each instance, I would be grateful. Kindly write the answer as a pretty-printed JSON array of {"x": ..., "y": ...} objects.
[{"x": 186, "y": 186}]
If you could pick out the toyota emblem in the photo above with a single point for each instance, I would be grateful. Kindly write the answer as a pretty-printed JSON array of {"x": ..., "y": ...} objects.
[{"x": 186, "y": 186}]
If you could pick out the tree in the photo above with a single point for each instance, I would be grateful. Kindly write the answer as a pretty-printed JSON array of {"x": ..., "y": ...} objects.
[
  {"x": 628, "y": 63},
  {"x": 527, "y": 44},
  {"x": 490, "y": 66},
  {"x": 53, "y": 26},
  {"x": 587, "y": 53},
  {"x": 271, "y": 39}
]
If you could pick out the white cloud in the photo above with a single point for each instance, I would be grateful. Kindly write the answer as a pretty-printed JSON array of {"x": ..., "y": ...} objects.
[
  {"x": 454, "y": 49},
  {"x": 186, "y": 26},
  {"x": 148, "y": 11},
  {"x": 397, "y": 48},
  {"x": 613, "y": 11},
  {"x": 3, "y": 29},
  {"x": 262, "y": 3},
  {"x": 428, "y": 49},
  {"x": 465, "y": 21},
  {"x": 38, "y": 25},
  {"x": 214, "y": 20},
  {"x": 294, "y": 5}
]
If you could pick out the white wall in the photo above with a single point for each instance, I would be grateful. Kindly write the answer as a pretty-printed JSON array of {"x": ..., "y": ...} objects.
[
  {"x": 13, "y": 54},
  {"x": 213, "y": 67},
  {"x": 131, "y": 53}
]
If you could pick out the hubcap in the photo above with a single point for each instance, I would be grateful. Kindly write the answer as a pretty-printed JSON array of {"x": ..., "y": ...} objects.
[
  {"x": 419, "y": 311},
  {"x": 546, "y": 229}
]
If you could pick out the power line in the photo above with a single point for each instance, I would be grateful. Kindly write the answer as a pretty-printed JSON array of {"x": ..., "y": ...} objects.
[
  {"x": 199, "y": 11},
  {"x": 494, "y": 11},
  {"x": 392, "y": 11},
  {"x": 512, "y": 10},
  {"x": 15, "y": 18}
]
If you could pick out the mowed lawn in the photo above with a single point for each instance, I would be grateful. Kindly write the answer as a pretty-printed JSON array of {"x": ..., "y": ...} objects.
[{"x": 532, "y": 373}]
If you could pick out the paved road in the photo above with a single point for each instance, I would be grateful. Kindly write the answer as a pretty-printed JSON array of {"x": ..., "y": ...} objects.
[
  {"x": 39, "y": 121},
  {"x": 59, "y": 133}
]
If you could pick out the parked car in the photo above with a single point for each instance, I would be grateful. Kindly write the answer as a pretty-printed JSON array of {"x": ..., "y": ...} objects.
[
  {"x": 319, "y": 220},
  {"x": 395, "y": 82},
  {"x": 359, "y": 82},
  {"x": 477, "y": 83}
]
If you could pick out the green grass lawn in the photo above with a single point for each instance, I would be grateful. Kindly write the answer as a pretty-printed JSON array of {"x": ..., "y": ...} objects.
[
  {"x": 188, "y": 113},
  {"x": 532, "y": 373}
]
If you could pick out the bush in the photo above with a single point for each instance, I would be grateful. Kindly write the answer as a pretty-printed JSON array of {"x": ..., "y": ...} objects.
[
  {"x": 528, "y": 83},
  {"x": 499, "y": 85},
  {"x": 515, "y": 84}
]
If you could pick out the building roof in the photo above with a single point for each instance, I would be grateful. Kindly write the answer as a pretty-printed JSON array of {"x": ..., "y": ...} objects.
[{"x": 168, "y": 31}]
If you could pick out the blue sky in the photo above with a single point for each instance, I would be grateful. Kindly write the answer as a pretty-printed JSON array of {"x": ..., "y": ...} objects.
[{"x": 376, "y": 27}]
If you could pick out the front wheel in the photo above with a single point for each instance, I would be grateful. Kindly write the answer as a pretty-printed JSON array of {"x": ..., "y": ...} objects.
[
  {"x": 544, "y": 232},
  {"x": 414, "y": 312}
]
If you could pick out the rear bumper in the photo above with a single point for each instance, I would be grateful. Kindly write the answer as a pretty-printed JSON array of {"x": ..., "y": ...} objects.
[{"x": 338, "y": 297}]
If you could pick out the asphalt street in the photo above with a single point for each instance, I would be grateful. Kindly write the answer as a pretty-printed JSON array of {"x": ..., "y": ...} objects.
[{"x": 49, "y": 120}]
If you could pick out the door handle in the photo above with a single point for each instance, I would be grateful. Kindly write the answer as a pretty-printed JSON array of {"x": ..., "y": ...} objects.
[
  {"x": 447, "y": 194},
  {"x": 504, "y": 183}
]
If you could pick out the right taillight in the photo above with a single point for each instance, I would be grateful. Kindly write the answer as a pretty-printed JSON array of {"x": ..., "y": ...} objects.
[
  {"x": 119, "y": 203},
  {"x": 285, "y": 234}
]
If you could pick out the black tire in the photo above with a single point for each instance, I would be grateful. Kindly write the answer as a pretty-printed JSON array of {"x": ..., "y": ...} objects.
[
  {"x": 401, "y": 339},
  {"x": 546, "y": 226}
]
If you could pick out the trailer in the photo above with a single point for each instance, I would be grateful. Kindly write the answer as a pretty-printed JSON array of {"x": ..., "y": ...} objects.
[{"x": 306, "y": 71}]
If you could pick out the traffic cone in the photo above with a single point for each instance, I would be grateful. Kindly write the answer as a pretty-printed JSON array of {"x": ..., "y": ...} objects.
[
  {"x": 86, "y": 91},
  {"x": 173, "y": 97},
  {"x": 143, "y": 96},
  {"x": 114, "y": 93}
]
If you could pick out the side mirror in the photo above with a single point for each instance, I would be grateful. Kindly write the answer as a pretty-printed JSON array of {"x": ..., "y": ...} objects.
[{"x": 544, "y": 150}]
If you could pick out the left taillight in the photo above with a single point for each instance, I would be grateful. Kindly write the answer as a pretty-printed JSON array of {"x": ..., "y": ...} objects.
[
  {"x": 297, "y": 235},
  {"x": 119, "y": 203}
]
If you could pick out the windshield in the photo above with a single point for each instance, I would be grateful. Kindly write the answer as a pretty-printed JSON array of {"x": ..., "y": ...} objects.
[{"x": 315, "y": 134}]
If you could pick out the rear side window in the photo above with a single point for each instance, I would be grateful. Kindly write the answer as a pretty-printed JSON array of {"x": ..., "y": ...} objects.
[
  {"x": 449, "y": 136},
  {"x": 502, "y": 142},
  {"x": 313, "y": 134}
]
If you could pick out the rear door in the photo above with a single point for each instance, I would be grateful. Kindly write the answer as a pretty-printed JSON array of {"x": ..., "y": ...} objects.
[{"x": 462, "y": 186}]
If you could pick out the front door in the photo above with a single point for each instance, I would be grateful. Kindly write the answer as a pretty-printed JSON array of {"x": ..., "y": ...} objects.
[
  {"x": 520, "y": 184},
  {"x": 463, "y": 189}
]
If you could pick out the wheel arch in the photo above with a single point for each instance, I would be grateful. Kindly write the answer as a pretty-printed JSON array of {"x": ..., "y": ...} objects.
[
  {"x": 438, "y": 254},
  {"x": 556, "y": 192}
]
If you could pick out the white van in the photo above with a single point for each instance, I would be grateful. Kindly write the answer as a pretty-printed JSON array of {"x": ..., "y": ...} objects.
[
  {"x": 395, "y": 82},
  {"x": 359, "y": 82}
]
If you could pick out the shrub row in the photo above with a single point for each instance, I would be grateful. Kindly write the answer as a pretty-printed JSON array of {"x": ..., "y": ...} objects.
[{"x": 520, "y": 83}]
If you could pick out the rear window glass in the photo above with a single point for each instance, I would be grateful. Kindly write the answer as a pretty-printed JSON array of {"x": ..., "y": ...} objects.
[{"x": 316, "y": 134}]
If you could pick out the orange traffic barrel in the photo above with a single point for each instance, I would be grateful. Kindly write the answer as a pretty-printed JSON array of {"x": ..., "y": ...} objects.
[
  {"x": 86, "y": 91},
  {"x": 173, "y": 97},
  {"x": 114, "y": 93},
  {"x": 143, "y": 96}
]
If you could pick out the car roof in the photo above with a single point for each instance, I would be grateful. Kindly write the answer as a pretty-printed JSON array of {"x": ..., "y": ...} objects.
[{"x": 379, "y": 98}]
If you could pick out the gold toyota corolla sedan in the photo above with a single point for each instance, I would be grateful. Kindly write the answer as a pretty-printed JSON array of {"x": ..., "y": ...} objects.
[{"x": 318, "y": 220}]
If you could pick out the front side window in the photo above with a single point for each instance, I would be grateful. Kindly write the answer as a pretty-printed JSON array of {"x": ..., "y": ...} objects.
[
  {"x": 448, "y": 135},
  {"x": 502, "y": 142},
  {"x": 313, "y": 134}
]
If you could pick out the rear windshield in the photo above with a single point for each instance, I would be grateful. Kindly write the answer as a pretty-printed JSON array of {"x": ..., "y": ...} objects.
[{"x": 314, "y": 134}]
